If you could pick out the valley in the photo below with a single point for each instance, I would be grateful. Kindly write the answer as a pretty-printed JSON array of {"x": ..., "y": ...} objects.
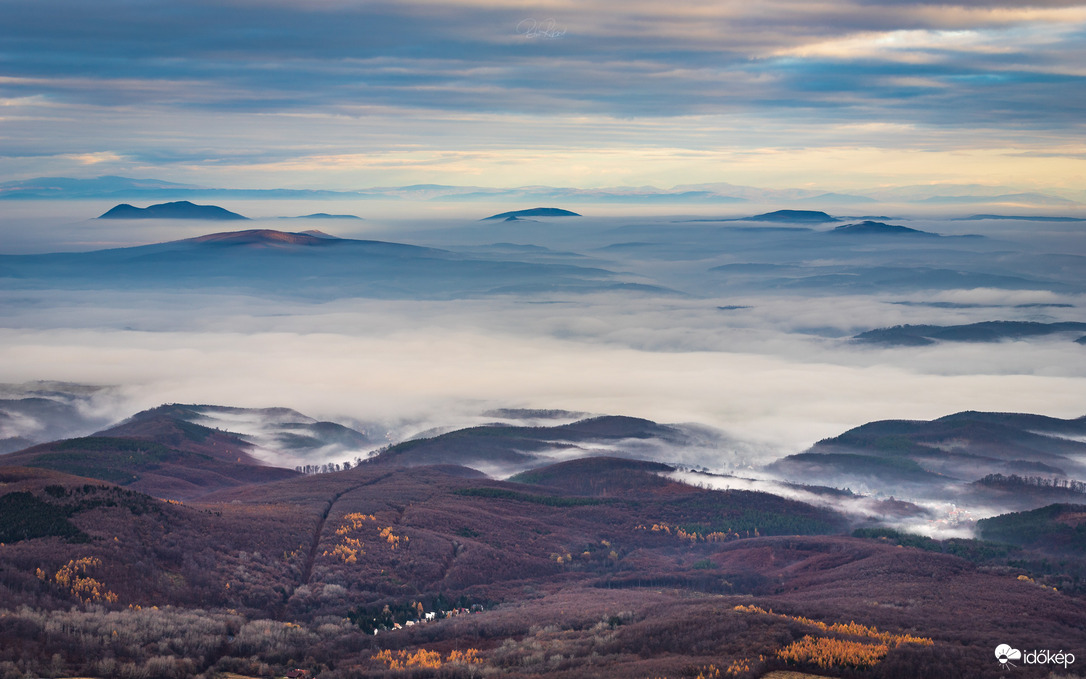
[{"x": 599, "y": 565}]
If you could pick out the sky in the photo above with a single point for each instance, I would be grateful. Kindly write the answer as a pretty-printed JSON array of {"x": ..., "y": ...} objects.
[{"x": 841, "y": 95}]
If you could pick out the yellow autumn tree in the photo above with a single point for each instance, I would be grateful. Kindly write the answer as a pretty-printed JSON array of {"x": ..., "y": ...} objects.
[{"x": 831, "y": 653}]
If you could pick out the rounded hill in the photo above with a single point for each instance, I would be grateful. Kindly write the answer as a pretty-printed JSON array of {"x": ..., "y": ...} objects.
[
  {"x": 181, "y": 209},
  {"x": 534, "y": 212}
]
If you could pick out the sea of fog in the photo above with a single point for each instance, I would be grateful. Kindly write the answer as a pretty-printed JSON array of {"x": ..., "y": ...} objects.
[{"x": 742, "y": 326}]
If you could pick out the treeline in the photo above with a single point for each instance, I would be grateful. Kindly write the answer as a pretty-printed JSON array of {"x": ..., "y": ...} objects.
[
  {"x": 753, "y": 523},
  {"x": 1015, "y": 481},
  {"x": 1004, "y": 547},
  {"x": 83, "y": 498},
  {"x": 26, "y": 517},
  {"x": 744, "y": 510},
  {"x": 329, "y": 467},
  {"x": 1039, "y": 528},
  {"x": 113, "y": 444},
  {"x": 977, "y": 551},
  {"x": 326, "y": 468}
]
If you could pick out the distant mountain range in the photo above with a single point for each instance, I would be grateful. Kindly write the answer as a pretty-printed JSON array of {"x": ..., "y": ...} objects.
[
  {"x": 1022, "y": 218},
  {"x": 719, "y": 192},
  {"x": 97, "y": 187},
  {"x": 183, "y": 451},
  {"x": 1009, "y": 198}
]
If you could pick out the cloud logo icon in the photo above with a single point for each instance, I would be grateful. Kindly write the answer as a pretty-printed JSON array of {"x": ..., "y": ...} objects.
[{"x": 1005, "y": 654}]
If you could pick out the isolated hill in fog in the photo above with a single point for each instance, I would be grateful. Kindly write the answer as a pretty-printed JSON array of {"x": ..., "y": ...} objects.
[
  {"x": 600, "y": 476},
  {"x": 155, "y": 452},
  {"x": 26, "y": 421},
  {"x": 985, "y": 331},
  {"x": 794, "y": 216},
  {"x": 309, "y": 266},
  {"x": 503, "y": 449},
  {"x": 870, "y": 228},
  {"x": 281, "y": 435},
  {"x": 264, "y": 238},
  {"x": 1057, "y": 528},
  {"x": 325, "y": 215},
  {"x": 181, "y": 209},
  {"x": 534, "y": 212},
  {"x": 37, "y": 412},
  {"x": 942, "y": 457}
]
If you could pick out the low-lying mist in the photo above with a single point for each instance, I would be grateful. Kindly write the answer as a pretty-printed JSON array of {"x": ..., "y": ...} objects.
[
  {"x": 934, "y": 519},
  {"x": 420, "y": 373},
  {"x": 765, "y": 357}
]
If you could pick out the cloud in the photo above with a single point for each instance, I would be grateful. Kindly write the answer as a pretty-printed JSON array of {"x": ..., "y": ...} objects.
[
  {"x": 939, "y": 520},
  {"x": 840, "y": 95},
  {"x": 325, "y": 47},
  {"x": 95, "y": 158},
  {"x": 999, "y": 297}
]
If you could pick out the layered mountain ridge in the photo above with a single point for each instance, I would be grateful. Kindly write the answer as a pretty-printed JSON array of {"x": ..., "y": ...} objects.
[{"x": 422, "y": 554}]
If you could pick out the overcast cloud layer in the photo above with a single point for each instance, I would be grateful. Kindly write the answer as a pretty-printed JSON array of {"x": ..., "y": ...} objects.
[{"x": 339, "y": 94}]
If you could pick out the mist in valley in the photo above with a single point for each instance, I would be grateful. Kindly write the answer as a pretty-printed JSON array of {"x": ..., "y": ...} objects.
[{"x": 742, "y": 327}]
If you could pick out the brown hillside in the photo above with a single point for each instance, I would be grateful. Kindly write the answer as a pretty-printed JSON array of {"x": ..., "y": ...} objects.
[{"x": 300, "y": 572}]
